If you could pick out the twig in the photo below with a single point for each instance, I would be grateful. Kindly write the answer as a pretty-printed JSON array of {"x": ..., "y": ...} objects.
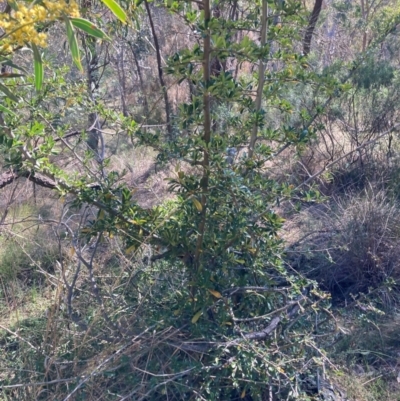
[
  {"x": 371, "y": 380},
  {"x": 363, "y": 145},
  {"x": 100, "y": 365},
  {"x": 19, "y": 337},
  {"x": 39, "y": 383}
]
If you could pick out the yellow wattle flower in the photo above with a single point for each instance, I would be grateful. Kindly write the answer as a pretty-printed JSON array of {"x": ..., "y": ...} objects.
[{"x": 21, "y": 26}]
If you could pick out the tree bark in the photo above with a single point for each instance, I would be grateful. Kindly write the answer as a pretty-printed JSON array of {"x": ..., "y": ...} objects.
[
  {"x": 10, "y": 176},
  {"x": 311, "y": 26}
]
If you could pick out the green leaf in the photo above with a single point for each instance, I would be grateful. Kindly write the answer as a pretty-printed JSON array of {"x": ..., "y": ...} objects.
[
  {"x": 198, "y": 205},
  {"x": 215, "y": 293},
  {"x": 197, "y": 316},
  {"x": 12, "y": 65},
  {"x": 73, "y": 44},
  {"x": 6, "y": 75},
  {"x": 88, "y": 27},
  {"x": 116, "y": 9},
  {"x": 38, "y": 64},
  {"x": 6, "y": 110},
  {"x": 131, "y": 249},
  {"x": 8, "y": 93}
]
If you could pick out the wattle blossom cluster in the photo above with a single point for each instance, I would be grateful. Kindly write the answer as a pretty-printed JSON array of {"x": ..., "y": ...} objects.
[{"x": 21, "y": 27}]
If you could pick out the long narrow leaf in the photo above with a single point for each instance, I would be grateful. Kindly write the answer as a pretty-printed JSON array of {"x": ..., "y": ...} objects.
[
  {"x": 88, "y": 27},
  {"x": 73, "y": 44},
  {"x": 15, "y": 66},
  {"x": 6, "y": 75},
  {"x": 8, "y": 93},
  {"x": 116, "y": 9},
  {"x": 7, "y": 110},
  {"x": 38, "y": 66}
]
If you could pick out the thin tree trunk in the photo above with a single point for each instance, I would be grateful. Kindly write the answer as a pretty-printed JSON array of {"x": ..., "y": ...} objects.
[
  {"x": 311, "y": 26},
  {"x": 122, "y": 78},
  {"x": 261, "y": 78},
  {"x": 365, "y": 15},
  {"x": 92, "y": 59},
  {"x": 207, "y": 132},
  {"x": 160, "y": 71},
  {"x": 139, "y": 70},
  {"x": 94, "y": 134}
]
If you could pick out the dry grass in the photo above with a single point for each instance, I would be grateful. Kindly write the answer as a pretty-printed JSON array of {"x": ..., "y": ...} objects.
[
  {"x": 144, "y": 175},
  {"x": 367, "y": 351},
  {"x": 351, "y": 245}
]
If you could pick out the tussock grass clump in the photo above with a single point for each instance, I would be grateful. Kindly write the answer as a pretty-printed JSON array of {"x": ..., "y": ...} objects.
[
  {"x": 369, "y": 388},
  {"x": 18, "y": 258},
  {"x": 366, "y": 350},
  {"x": 27, "y": 247},
  {"x": 352, "y": 246}
]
